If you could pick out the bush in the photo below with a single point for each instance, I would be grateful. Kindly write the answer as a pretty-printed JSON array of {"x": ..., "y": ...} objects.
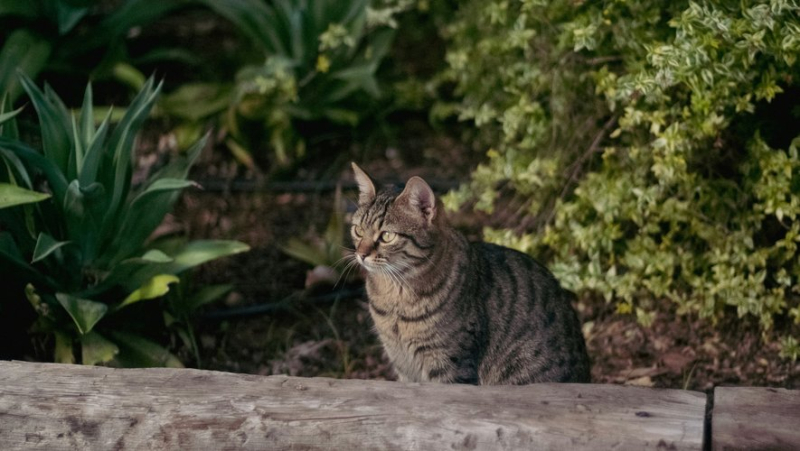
[
  {"x": 83, "y": 37},
  {"x": 651, "y": 145},
  {"x": 81, "y": 251},
  {"x": 318, "y": 66}
]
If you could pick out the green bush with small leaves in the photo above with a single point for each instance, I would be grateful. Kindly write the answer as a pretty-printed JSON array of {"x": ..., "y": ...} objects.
[{"x": 650, "y": 148}]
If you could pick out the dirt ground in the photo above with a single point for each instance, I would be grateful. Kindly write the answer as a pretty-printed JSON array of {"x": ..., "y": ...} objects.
[{"x": 327, "y": 331}]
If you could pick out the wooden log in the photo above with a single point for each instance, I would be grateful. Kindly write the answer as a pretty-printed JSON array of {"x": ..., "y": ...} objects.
[
  {"x": 53, "y": 407},
  {"x": 755, "y": 418}
]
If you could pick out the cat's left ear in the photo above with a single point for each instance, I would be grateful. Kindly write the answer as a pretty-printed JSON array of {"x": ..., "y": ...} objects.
[
  {"x": 420, "y": 197},
  {"x": 366, "y": 189}
]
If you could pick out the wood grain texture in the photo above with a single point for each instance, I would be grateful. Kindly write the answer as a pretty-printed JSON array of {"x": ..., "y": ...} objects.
[
  {"x": 755, "y": 418},
  {"x": 54, "y": 407}
]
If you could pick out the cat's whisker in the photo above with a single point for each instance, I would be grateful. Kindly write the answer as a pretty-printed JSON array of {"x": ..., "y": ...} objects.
[
  {"x": 350, "y": 257},
  {"x": 343, "y": 275}
]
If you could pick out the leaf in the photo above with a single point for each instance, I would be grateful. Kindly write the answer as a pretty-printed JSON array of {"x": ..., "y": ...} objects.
[
  {"x": 56, "y": 140},
  {"x": 97, "y": 349},
  {"x": 46, "y": 245},
  {"x": 138, "y": 352},
  {"x": 22, "y": 51},
  {"x": 33, "y": 159},
  {"x": 305, "y": 252},
  {"x": 10, "y": 115},
  {"x": 11, "y": 195},
  {"x": 129, "y": 75},
  {"x": 156, "y": 287},
  {"x": 93, "y": 157},
  {"x": 63, "y": 350},
  {"x": 144, "y": 214},
  {"x": 201, "y": 251},
  {"x": 196, "y": 101},
  {"x": 255, "y": 19},
  {"x": 120, "y": 144},
  {"x": 11, "y": 260},
  {"x": 84, "y": 313},
  {"x": 204, "y": 296}
]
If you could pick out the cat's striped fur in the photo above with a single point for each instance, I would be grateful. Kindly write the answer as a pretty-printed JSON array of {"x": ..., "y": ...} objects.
[{"x": 448, "y": 310}]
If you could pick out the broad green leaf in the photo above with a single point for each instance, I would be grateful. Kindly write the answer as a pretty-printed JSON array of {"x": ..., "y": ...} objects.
[
  {"x": 33, "y": 159},
  {"x": 84, "y": 313},
  {"x": 196, "y": 101},
  {"x": 97, "y": 349},
  {"x": 138, "y": 352},
  {"x": 56, "y": 140},
  {"x": 22, "y": 51},
  {"x": 156, "y": 256},
  {"x": 46, "y": 245},
  {"x": 305, "y": 252},
  {"x": 204, "y": 296},
  {"x": 63, "y": 350},
  {"x": 156, "y": 287},
  {"x": 129, "y": 75},
  {"x": 201, "y": 251},
  {"x": 131, "y": 273},
  {"x": 11, "y": 195}
]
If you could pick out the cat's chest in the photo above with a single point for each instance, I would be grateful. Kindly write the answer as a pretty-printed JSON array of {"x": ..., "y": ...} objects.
[{"x": 402, "y": 338}]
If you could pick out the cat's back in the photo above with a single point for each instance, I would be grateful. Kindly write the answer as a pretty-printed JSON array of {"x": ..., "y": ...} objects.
[{"x": 534, "y": 334}]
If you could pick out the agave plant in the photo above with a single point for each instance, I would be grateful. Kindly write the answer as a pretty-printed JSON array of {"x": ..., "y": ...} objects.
[
  {"x": 83, "y": 252},
  {"x": 321, "y": 57}
]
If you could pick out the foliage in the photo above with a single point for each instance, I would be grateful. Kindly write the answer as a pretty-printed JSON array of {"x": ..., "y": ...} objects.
[
  {"x": 651, "y": 142},
  {"x": 76, "y": 36},
  {"x": 321, "y": 59},
  {"x": 326, "y": 253},
  {"x": 82, "y": 253}
]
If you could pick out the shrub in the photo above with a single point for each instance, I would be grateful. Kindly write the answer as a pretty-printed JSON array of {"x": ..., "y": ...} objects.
[
  {"x": 650, "y": 144},
  {"x": 76, "y": 36},
  {"x": 319, "y": 65},
  {"x": 82, "y": 254}
]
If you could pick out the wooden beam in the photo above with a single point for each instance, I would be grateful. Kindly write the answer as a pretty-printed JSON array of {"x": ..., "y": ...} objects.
[
  {"x": 54, "y": 407},
  {"x": 755, "y": 418}
]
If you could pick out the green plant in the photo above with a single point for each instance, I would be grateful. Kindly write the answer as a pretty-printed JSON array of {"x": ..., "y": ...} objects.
[
  {"x": 76, "y": 36},
  {"x": 321, "y": 59},
  {"x": 325, "y": 253},
  {"x": 83, "y": 253},
  {"x": 651, "y": 145}
]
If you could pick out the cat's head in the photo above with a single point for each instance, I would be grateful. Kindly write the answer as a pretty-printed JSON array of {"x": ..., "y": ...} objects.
[{"x": 395, "y": 229}]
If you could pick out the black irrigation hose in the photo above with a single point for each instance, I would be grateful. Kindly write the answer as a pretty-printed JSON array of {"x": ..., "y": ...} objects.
[
  {"x": 284, "y": 304},
  {"x": 225, "y": 185}
]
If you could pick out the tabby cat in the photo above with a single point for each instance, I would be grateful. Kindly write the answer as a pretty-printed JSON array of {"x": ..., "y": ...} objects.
[{"x": 451, "y": 311}]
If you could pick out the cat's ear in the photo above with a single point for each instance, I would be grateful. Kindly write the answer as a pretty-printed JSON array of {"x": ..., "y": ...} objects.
[
  {"x": 366, "y": 189},
  {"x": 419, "y": 197}
]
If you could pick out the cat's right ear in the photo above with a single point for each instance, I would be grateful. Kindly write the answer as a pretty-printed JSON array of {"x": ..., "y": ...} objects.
[{"x": 366, "y": 189}]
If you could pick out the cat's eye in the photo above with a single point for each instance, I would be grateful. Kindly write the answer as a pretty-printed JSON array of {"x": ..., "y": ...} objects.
[
  {"x": 387, "y": 237},
  {"x": 358, "y": 231}
]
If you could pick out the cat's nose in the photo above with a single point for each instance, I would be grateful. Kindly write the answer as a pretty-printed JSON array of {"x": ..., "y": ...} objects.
[{"x": 362, "y": 255}]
